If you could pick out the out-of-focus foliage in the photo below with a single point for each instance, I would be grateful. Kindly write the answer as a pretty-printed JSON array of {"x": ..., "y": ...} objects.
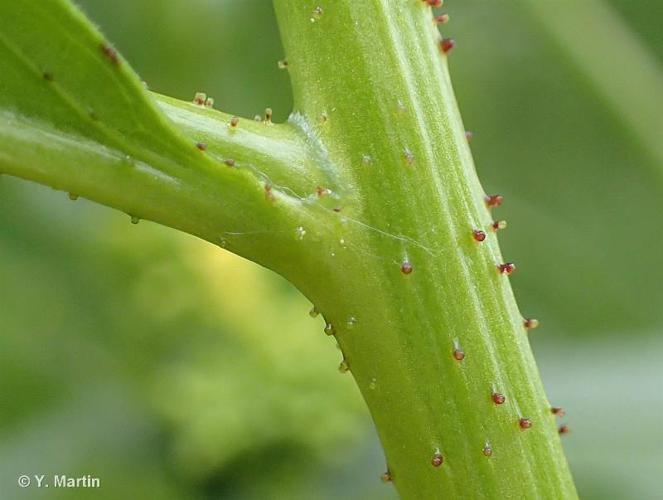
[
  {"x": 171, "y": 369},
  {"x": 200, "y": 366},
  {"x": 583, "y": 198}
]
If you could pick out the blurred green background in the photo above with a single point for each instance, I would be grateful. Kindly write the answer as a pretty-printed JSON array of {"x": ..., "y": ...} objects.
[{"x": 172, "y": 369}]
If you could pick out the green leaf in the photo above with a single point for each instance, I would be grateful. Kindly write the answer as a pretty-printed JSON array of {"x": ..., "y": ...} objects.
[
  {"x": 76, "y": 117},
  {"x": 58, "y": 69}
]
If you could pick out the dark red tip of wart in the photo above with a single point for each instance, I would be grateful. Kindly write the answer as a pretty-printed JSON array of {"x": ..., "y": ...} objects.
[
  {"x": 269, "y": 195},
  {"x": 506, "y": 268},
  {"x": 487, "y": 450},
  {"x": 447, "y": 44},
  {"x": 459, "y": 355},
  {"x": 201, "y": 145},
  {"x": 531, "y": 323},
  {"x": 479, "y": 235},
  {"x": 468, "y": 135},
  {"x": 434, "y": 3},
  {"x": 555, "y": 410},
  {"x": 437, "y": 460},
  {"x": 525, "y": 423},
  {"x": 230, "y": 162},
  {"x": 387, "y": 477},
  {"x": 564, "y": 429},
  {"x": 321, "y": 191},
  {"x": 498, "y": 398},
  {"x": 494, "y": 200},
  {"x": 406, "y": 268},
  {"x": 499, "y": 224},
  {"x": 442, "y": 19}
]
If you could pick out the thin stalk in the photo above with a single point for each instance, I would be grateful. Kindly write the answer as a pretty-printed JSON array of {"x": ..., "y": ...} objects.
[{"x": 221, "y": 205}]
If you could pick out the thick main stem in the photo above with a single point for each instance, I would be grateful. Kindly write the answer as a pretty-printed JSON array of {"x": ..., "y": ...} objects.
[
  {"x": 371, "y": 84},
  {"x": 377, "y": 228}
]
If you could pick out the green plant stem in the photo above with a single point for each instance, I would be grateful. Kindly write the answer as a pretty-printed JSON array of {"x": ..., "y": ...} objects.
[
  {"x": 374, "y": 69},
  {"x": 75, "y": 117},
  {"x": 371, "y": 177},
  {"x": 215, "y": 205},
  {"x": 276, "y": 153}
]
